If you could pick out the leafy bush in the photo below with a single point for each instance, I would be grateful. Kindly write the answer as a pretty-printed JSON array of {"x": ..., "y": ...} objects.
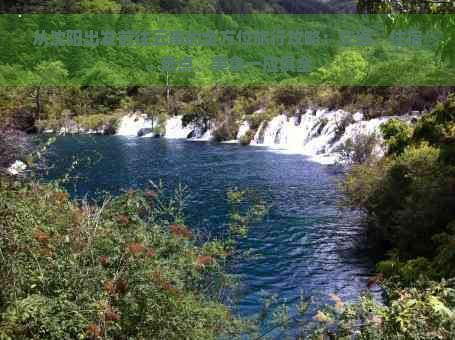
[
  {"x": 425, "y": 311},
  {"x": 247, "y": 138},
  {"x": 405, "y": 198},
  {"x": 97, "y": 121},
  {"x": 397, "y": 135},
  {"x": 409, "y": 196},
  {"x": 128, "y": 268}
]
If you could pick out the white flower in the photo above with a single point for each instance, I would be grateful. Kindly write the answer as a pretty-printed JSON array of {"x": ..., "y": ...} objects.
[{"x": 17, "y": 167}]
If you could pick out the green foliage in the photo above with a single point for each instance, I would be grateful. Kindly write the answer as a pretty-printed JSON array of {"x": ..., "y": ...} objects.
[
  {"x": 426, "y": 311},
  {"x": 247, "y": 138},
  {"x": 397, "y": 135},
  {"x": 332, "y": 64},
  {"x": 97, "y": 121},
  {"x": 409, "y": 196},
  {"x": 241, "y": 214},
  {"x": 405, "y": 198},
  {"x": 125, "y": 268},
  {"x": 348, "y": 67}
]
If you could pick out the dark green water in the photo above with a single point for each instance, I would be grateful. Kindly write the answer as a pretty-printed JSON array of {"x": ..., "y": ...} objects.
[{"x": 305, "y": 244}]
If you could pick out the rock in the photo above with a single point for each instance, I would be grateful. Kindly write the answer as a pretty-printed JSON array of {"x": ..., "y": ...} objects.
[
  {"x": 108, "y": 129},
  {"x": 144, "y": 131},
  {"x": 70, "y": 128}
]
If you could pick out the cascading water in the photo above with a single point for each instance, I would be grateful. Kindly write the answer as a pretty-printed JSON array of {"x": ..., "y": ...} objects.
[
  {"x": 243, "y": 129},
  {"x": 318, "y": 133},
  {"x": 132, "y": 125},
  {"x": 141, "y": 126},
  {"x": 176, "y": 130}
]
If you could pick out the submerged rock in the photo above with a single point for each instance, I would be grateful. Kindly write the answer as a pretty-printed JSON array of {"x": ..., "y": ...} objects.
[{"x": 144, "y": 131}]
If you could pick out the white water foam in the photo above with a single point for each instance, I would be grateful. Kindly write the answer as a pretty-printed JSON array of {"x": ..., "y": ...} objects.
[
  {"x": 317, "y": 133},
  {"x": 130, "y": 125}
]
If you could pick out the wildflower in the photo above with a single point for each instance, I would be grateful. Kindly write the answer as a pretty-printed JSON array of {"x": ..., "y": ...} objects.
[
  {"x": 203, "y": 260},
  {"x": 109, "y": 287},
  {"x": 104, "y": 261},
  {"x": 94, "y": 330},
  {"x": 180, "y": 230},
  {"x": 41, "y": 236},
  {"x": 136, "y": 248},
  {"x": 151, "y": 252}
]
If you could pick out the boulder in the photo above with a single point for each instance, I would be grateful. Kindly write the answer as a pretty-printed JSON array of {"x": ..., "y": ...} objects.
[
  {"x": 108, "y": 129},
  {"x": 143, "y": 132}
]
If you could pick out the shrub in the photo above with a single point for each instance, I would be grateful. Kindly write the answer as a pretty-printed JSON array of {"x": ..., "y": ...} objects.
[
  {"x": 397, "y": 135},
  {"x": 97, "y": 121},
  {"x": 247, "y": 138},
  {"x": 72, "y": 270},
  {"x": 405, "y": 198},
  {"x": 425, "y": 311}
]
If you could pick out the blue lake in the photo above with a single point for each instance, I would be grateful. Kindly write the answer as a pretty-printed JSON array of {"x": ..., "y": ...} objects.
[{"x": 306, "y": 244}]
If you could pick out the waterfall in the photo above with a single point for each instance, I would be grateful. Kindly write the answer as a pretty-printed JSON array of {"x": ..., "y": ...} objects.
[
  {"x": 176, "y": 130},
  {"x": 139, "y": 125},
  {"x": 243, "y": 129},
  {"x": 135, "y": 125},
  {"x": 318, "y": 133}
]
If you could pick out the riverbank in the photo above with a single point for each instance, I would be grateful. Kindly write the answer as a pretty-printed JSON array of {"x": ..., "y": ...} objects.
[{"x": 318, "y": 133}]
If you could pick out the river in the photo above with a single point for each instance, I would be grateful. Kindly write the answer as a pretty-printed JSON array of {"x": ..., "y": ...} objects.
[{"x": 305, "y": 245}]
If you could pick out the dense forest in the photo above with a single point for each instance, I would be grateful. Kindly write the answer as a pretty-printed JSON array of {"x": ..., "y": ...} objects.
[
  {"x": 178, "y": 7},
  {"x": 39, "y": 108}
]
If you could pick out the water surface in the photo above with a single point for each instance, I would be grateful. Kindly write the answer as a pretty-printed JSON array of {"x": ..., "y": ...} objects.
[{"x": 305, "y": 244}]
